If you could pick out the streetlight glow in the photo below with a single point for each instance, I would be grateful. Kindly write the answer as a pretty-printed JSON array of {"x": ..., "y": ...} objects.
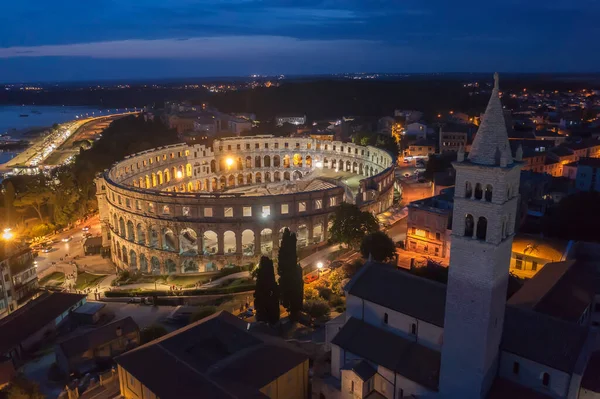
[
  {"x": 229, "y": 162},
  {"x": 7, "y": 234},
  {"x": 179, "y": 175},
  {"x": 319, "y": 265}
]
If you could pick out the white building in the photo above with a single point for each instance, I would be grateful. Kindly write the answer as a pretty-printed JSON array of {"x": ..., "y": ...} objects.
[
  {"x": 292, "y": 119},
  {"x": 405, "y": 336}
]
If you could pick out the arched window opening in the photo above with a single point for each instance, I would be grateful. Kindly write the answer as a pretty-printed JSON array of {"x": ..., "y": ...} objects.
[
  {"x": 478, "y": 191},
  {"x": 469, "y": 224},
  {"x": 481, "y": 228},
  {"x": 546, "y": 379},
  {"x": 468, "y": 190},
  {"x": 488, "y": 193}
]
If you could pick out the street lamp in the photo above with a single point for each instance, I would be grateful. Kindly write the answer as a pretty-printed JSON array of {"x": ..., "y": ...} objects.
[
  {"x": 7, "y": 234},
  {"x": 319, "y": 268}
]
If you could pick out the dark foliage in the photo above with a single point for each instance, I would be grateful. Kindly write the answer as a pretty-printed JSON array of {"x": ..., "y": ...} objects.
[
  {"x": 351, "y": 225},
  {"x": 151, "y": 333},
  {"x": 570, "y": 221},
  {"x": 291, "y": 284},
  {"x": 266, "y": 295},
  {"x": 379, "y": 246}
]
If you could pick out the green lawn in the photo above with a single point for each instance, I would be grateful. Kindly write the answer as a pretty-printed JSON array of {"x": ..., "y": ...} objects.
[
  {"x": 52, "y": 280},
  {"x": 87, "y": 280}
]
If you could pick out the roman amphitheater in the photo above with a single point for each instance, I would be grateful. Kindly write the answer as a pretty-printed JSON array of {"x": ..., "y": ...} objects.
[{"x": 191, "y": 209}]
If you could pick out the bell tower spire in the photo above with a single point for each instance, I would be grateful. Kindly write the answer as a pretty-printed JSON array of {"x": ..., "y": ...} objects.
[{"x": 485, "y": 208}]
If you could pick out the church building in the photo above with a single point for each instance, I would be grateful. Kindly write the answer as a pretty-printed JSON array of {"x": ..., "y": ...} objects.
[{"x": 405, "y": 336}]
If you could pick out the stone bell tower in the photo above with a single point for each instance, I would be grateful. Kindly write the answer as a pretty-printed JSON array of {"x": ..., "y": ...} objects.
[{"x": 485, "y": 207}]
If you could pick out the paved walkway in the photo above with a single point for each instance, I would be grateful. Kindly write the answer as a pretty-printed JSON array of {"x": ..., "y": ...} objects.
[{"x": 216, "y": 282}]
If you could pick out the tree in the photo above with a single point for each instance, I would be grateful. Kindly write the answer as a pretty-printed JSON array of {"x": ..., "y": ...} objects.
[
  {"x": 316, "y": 308},
  {"x": 351, "y": 225},
  {"x": 35, "y": 194},
  {"x": 202, "y": 312},
  {"x": 151, "y": 333},
  {"x": 22, "y": 388},
  {"x": 290, "y": 275},
  {"x": 266, "y": 294},
  {"x": 9, "y": 199},
  {"x": 379, "y": 246}
]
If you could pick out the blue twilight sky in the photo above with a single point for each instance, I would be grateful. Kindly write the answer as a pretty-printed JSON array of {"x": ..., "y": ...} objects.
[{"x": 108, "y": 39}]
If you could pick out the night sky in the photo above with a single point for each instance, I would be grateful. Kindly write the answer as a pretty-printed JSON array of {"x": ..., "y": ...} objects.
[{"x": 45, "y": 40}]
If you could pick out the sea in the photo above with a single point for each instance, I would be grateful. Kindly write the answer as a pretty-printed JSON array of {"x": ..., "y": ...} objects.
[{"x": 14, "y": 123}]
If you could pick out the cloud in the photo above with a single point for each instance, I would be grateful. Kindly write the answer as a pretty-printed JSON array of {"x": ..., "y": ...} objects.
[{"x": 210, "y": 48}]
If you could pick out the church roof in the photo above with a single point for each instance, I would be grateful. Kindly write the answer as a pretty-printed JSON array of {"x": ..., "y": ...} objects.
[
  {"x": 542, "y": 338},
  {"x": 491, "y": 139},
  {"x": 408, "y": 358},
  {"x": 400, "y": 291}
]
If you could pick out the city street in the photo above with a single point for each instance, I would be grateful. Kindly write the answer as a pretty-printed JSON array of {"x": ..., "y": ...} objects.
[{"x": 65, "y": 252}]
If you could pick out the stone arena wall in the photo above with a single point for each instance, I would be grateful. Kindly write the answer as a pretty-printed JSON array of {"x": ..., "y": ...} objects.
[{"x": 166, "y": 210}]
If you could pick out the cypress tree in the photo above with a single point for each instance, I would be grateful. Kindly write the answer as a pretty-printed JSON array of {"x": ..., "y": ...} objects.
[
  {"x": 266, "y": 294},
  {"x": 290, "y": 275}
]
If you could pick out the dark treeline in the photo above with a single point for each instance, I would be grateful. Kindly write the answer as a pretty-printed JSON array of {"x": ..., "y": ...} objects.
[
  {"x": 318, "y": 97},
  {"x": 323, "y": 99},
  {"x": 136, "y": 96}
]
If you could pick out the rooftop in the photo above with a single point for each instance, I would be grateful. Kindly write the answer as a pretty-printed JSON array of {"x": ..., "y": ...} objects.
[
  {"x": 526, "y": 334},
  {"x": 591, "y": 162},
  {"x": 404, "y": 356},
  {"x": 401, "y": 291},
  {"x": 217, "y": 356},
  {"x": 90, "y": 339},
  {"x": 561, "y": 151},
  {"x": 562, "y": 289},
  {"x": 30, "y": 318},
  {"x": 551, "y": 249}
]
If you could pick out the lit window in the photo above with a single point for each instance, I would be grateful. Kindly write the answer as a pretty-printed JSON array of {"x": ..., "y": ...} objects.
[
  {"x": 302, "y": 206},
  {"x": 318, "y": 204},
  {"x": 332, "y": 201},
  {"x": 185, "y": 210},
  {"x": 284, "y": 209},
  {"x": 166, "y": 209},
  {"x": 266, "y": 210},
  {"x": 208, "y": 212},
  {"x": 150, "y": 207},
  {"x": 228, "y": 212},
  {"x": 247, "y": 211}
]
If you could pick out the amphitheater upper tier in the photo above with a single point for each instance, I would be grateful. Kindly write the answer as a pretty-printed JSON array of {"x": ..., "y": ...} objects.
[{"x": 183, "y": 209}]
